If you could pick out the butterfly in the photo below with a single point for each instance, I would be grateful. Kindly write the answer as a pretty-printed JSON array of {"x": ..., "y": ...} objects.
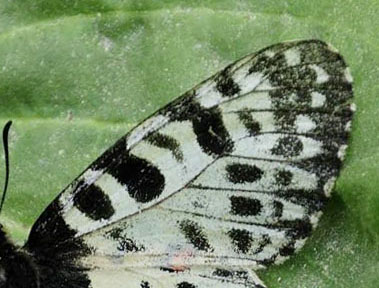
[{"x": 230, "y": 178}]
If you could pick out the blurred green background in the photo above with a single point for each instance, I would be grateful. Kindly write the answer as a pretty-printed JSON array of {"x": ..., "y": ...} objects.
[{"x": 77, "y": 75}]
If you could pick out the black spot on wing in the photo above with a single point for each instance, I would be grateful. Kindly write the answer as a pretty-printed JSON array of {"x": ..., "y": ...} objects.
[
  {"x": 185, "y": 285},
  {"x": 299, "y": 229},
  {"x": 226, "y": 85},
  {"x": 111, "y": 155},
  {"x": 268, "y": 261},
  {"x": 124, "y": 243},
  {"x": 251, "y": 125},
  {"x": 211, "y": 133},
  {"x": 166, "y": 142},
  {"x": 223, "y": 273},
  {"x": 288, "y": 146},
  {"x": 287, "y": 249},
  {"x": 145, "y": 284},
  {"x": 241, "y": 274},
  {"x": 244, "y": 206},
  {"x": 231, "y": 274},
  {"x": 195, "y": 235},
  {"x": 283, "y": 177},
  {"x": 169, "y": 270},
  {"x": 242, "y": 239},
  {"x": 241, "y": 173},
  {"x": 265, "y": 64},
  {"x": 295, "y": 230},
  {"x": 278, "y": 209},
  {"x": 128, "y": 245},
  {"x": 262, "y": 243},
  {"x": 208, "y": 126},
  {"x": 143, "y": 180},
  {"x": 93, "y": 202}
]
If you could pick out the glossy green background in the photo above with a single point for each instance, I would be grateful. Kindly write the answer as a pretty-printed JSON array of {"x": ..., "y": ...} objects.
[{"x": 77, "y": 75}]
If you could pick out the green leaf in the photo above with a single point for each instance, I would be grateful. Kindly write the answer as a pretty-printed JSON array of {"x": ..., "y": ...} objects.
[{"x": 77, "y": 75}]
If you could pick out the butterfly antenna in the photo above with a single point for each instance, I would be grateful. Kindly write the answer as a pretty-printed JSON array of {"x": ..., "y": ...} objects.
[{"x": 6, "y": 155}]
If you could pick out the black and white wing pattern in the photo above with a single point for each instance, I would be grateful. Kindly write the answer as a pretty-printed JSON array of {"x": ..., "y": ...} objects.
[{"x": 229, "y": 178}]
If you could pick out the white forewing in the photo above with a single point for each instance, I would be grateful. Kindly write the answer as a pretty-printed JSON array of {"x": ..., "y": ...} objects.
[{"x": 233, "y": 174}]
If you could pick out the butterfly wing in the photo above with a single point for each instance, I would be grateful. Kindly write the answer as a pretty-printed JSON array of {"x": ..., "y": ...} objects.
[
  {"x": 234, "y": 173},
  {"x": 198, "y": 276}
]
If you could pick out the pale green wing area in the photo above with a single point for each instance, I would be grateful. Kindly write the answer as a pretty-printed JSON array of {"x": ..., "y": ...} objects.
[{"x": 75, "y": 77}]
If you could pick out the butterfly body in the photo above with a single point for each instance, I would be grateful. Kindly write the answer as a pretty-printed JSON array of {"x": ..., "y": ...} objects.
[
  {"x": 16, "y": 267},
  {"x": 230, "y": 178}
]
